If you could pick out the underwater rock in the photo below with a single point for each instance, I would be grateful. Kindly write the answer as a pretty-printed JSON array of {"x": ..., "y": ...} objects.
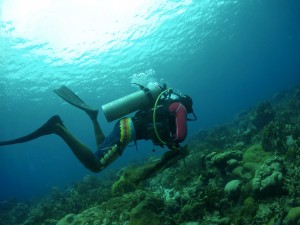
[
  {"x": 293, "y": 216},
  {"x": 232, "y": 189},
  {"x": 268, "y": 177}
]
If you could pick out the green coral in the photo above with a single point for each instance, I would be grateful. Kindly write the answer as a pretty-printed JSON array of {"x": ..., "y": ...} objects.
[{"x": 255, "y": 154}]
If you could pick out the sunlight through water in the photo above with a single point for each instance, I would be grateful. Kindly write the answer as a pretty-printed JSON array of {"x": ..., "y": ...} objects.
[
  {"x": 96, "y": 45},
  {"x": 70, "y": 28}
]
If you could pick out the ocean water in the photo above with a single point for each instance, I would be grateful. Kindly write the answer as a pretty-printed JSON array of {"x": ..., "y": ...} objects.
[{"x": 228, "y": 55}]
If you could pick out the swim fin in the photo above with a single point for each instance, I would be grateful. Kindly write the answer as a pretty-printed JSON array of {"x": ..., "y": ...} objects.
[
  {"x": 45, "y": 129},
  {"x": 70, "y": 97}
]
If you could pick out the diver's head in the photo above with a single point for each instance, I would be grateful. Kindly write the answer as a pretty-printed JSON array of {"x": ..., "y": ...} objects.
[{"x": 187, "y": 102}]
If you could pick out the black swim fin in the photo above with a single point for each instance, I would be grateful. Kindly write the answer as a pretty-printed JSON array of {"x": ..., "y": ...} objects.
[
  {"x": 70, "y": 97},
  {"x": 45, "y": 129}
]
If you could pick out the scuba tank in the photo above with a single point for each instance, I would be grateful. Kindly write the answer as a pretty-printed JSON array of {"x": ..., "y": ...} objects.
[{"x": 141, "y": 99}]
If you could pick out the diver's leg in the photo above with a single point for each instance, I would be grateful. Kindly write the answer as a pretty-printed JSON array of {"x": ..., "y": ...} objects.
[
  {"x": 97, "y": 129},
  {"x": 98, "y": 133},
  {"x": 80, "y": 150},
  {"x": 55, "y": 126},
  {"x": 69, "y": 96}
]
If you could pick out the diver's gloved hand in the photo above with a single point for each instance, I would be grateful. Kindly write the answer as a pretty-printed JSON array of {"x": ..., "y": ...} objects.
[
  {"x": 173, "y": 146},
  {"x": 182, "y": 150}
]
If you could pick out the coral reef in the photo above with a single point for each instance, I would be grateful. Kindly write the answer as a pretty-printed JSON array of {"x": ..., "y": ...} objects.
[
  {"x": 246, "y": 172},
  {"x": 269, "y": 177}
]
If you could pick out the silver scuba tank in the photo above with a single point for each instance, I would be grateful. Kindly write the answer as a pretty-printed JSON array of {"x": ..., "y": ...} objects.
[{"x": 138, "y": 100}]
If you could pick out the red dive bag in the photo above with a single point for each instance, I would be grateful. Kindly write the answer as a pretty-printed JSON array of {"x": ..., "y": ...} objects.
[{"x": 180, "y": 113}]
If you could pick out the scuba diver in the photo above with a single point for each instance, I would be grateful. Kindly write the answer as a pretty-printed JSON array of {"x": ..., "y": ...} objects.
[{"x": 161, "y": 117}]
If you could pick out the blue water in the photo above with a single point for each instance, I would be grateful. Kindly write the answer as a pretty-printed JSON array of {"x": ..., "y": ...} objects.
[{"x": 228, "y": 55}]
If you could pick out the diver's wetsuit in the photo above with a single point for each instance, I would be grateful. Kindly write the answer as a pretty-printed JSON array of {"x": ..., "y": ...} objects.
[
  {"x": 115, "y": 143},
  {"x": 171, "y": 125}
]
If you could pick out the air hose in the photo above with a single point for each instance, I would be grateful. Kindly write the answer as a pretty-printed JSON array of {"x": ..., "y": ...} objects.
[{"x": 154, "y": 115}]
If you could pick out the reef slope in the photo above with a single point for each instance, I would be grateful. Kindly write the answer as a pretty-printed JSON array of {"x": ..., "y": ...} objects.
[{"x": 243, "y": 172}]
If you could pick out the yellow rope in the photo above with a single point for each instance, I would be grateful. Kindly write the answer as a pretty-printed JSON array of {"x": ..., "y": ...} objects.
[{"x": 154, "y": 116}]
